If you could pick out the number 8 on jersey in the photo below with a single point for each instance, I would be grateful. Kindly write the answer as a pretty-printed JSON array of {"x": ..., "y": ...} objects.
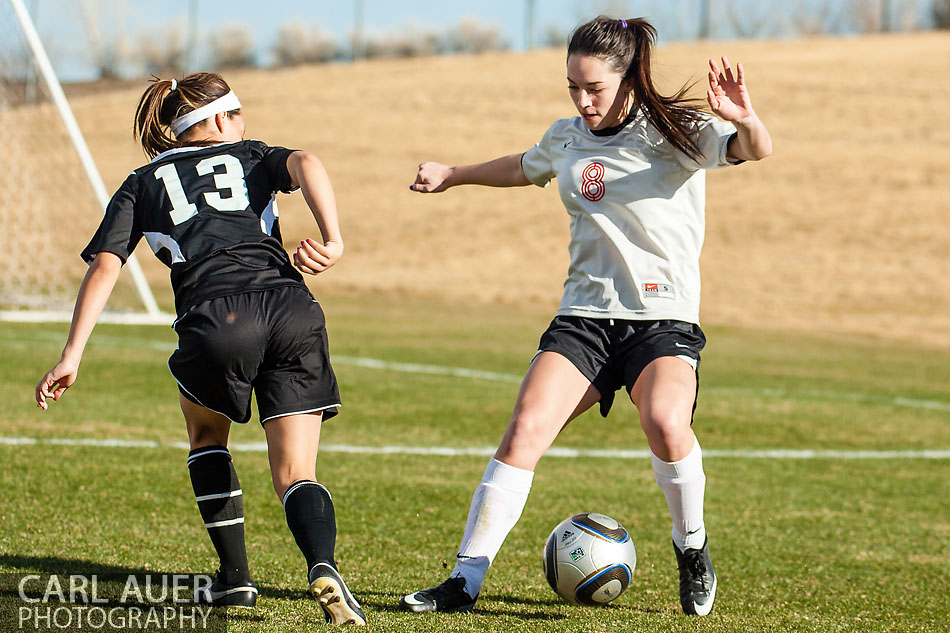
[{"x": 593, "y": 187}]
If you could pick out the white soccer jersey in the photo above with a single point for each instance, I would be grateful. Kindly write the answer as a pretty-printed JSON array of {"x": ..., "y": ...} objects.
[{"x": 637, "y": 208}]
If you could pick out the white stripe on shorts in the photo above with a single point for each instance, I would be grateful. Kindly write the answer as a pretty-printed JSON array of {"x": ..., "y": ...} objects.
[
  {"x": 283, "y": 415},
  {"x": 691, "y": 361}
]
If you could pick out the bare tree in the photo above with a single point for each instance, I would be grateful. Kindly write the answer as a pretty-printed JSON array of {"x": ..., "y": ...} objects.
[
  {"x": 108, "y": 53},
  {"x": 298, "y": 45},
  {"x": 705, "y": 19},
  {"x": 471, "y": 35},
  {"x": 872, "y": 16},
  {"x": 232, "y": 47},
  {"x": 411, "y": 41},
  {"x": 753, "y": 20},
  {"x": 811, "y": 20},
  {"x": 165, "y": 52},
  {"x": 554, "y": 36},
  {"x": 866, "y": 15},
  {"x": 940, "y": 13},
  {"x": 907, "y": 20}
]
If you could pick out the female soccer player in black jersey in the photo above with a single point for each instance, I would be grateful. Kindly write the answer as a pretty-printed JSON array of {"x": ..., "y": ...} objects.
[
  {"x": 630, "y": 169},
  {"x": 246, "y": 321}
]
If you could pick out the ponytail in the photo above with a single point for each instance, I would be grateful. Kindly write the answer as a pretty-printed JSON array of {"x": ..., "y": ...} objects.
[
  {"x": 626, "y": 46},
  {"x": 150, "y": 126},
  {"x": 166, "y": 99}
]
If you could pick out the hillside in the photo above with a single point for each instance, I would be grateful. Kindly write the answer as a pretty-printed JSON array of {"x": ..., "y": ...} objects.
[{"x": 846, "y": 228}]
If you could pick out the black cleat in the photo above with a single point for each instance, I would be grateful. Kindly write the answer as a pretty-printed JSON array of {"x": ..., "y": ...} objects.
[
  {"x": 329, "y": 589},
  {"x": 449, "y": 597},
  {"x": 697, "y": 580},
  {"x": 219, "y": 594}
]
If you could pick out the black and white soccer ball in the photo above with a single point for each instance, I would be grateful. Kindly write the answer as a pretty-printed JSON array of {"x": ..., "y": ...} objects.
[{"x": 589, "y": 559}]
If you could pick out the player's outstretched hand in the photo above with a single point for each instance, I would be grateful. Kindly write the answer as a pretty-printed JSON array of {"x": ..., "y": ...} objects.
[
  {"x": 431, "y": 178},
  {"x": 55, "y": 383},
  {"x": 313, "y": 258},
  {"x": 727, "y": 95}
]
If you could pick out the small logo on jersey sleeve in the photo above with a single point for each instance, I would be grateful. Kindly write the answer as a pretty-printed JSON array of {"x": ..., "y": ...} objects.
[{"x": 663, "y": 291}]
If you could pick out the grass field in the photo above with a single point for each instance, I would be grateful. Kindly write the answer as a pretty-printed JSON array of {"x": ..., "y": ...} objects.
[{"x": 818, "y": 544}]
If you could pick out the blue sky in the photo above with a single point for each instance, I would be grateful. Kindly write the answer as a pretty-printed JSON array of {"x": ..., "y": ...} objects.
[{"x": 61, "y": 26}]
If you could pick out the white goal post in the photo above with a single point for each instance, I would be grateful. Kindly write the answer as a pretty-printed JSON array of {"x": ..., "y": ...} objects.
[{"x": 46, "y": 206}]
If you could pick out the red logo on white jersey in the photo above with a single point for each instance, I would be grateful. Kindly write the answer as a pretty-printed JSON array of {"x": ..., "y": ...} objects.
[{"x": 593, "y": 187}]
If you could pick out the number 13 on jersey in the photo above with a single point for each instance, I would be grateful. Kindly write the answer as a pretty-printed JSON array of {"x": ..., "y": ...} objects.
[{"x": 231, "y": 179}]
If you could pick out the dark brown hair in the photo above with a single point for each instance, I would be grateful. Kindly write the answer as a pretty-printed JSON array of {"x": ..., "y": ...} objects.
[
  {"x": 626, "y": 46},
  {"x": 160, "y": 105}
]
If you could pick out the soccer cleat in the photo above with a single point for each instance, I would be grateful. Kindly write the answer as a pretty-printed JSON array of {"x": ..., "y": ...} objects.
[
  {"x": 329, "y": 589},
  {"x": 219, "y": 594},
  {"x": 449, "y": 597},
  {"x": 697, "y": 580}
]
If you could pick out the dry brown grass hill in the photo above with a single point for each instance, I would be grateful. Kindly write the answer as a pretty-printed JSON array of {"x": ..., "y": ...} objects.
[{"x": 846, "y": 228}]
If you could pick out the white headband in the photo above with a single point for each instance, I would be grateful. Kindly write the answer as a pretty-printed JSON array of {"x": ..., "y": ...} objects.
[{"x": 224, "y": 104}]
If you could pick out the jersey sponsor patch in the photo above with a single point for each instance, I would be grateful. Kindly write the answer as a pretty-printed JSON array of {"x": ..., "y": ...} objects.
[{"x": 663, "y": 291}]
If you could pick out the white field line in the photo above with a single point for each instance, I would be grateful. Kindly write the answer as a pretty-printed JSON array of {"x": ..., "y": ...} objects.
[
  {"x": 494, "y": 376},
  {"x": 460, "y": 372},
  {"x": 434, "y": 370},
  {"x": 485, "y": 451}
]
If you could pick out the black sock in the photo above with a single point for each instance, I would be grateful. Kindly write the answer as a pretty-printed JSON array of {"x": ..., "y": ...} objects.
[
  {"x": 221, "y": 504},
  {"x": 311, "y": 520}
]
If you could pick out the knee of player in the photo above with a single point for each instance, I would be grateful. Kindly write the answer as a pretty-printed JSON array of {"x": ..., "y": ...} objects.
[
  {"x": 666, "y": 422},
  {"x": 529, "y": 429},
  {"x": 280, "y": 488},
  {"x": 284, "y": 478}
]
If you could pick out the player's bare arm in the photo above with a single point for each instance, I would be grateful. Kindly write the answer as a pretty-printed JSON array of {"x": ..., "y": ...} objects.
[
  {"x": 308, "y": 173},
  {"x": 729, "y": 99},
  {"x": 93, "y": 293},
  {"x": 500, "y": 172}
]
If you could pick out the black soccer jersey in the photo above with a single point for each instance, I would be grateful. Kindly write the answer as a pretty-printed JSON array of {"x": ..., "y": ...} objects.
[{"x": 209, "y": 214}]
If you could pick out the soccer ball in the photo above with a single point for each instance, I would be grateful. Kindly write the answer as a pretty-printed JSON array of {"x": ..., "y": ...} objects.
[{"x": 589, "y": 559}]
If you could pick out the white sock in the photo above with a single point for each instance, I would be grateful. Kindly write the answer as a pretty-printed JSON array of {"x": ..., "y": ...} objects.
[
  {"x": 496, "y": 508},
  {"x": 684, "y": 484}
]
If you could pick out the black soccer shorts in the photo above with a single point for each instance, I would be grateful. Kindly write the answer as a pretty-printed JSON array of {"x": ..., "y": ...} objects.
[
  {"x": 612, "y": 353},
  {"x": 273, "y": 342}
]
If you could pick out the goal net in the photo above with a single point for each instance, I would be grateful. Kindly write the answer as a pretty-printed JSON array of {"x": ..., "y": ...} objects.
[{"x": 51, "y": 196}]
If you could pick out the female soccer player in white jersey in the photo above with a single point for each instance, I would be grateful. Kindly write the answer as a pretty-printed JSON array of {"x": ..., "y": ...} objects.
[
  {"x": 630, "y": 170},
  {"x": 246, "y": 321}
]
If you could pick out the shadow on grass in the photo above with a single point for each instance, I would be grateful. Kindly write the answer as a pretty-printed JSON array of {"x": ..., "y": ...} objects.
[
  {"x": 555, "y": 603},
  {"x": 378, "y": 600},
  {"x": 388, "y": 601},
  {"x": 65, "y": 566}
]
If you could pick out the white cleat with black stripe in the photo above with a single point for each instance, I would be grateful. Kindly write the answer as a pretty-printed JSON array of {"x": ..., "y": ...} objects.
[
  {"x": 449, "y": 597},
  {"x": 220, "y": 594},
  {"x": 697, "y": 580}
]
